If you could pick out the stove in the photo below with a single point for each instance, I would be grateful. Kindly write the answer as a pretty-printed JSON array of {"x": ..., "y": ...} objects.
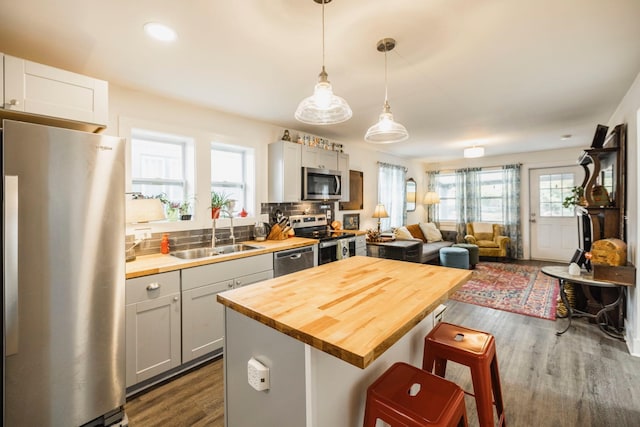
[{"x": 334, "y": 245}]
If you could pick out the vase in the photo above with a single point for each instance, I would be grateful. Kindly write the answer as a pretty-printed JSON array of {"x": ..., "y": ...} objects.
[{"x": 186, "y": 217}]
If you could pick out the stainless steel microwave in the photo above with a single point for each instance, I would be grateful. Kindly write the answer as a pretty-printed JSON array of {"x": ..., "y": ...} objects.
[{"x": 321, "y": 184}]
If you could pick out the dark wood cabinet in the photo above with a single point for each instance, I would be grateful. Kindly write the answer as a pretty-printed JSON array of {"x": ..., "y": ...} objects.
[{"x": 605, "y": 185}]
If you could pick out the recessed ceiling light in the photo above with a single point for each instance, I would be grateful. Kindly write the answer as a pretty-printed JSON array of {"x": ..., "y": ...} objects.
[
  {"x": 160, "y": 31},
  {"x": 565, "y": 137}
]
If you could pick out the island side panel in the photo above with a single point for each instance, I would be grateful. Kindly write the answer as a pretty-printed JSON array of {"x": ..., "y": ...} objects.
[
  {"x": 283, "y": 405},
  {"x": 337, "y": 390}
]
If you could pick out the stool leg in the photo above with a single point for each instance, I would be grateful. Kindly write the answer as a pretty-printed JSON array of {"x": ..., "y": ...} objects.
[
  {"x": 481, "y": 378},
  {"x": 440, "y": 367},
  {"x": 428, "y": 358},
  {"x": 497, "y": 391}
]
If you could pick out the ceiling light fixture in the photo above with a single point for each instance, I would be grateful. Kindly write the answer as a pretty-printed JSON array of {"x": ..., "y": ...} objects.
[
  {"x": 323, "y": 107},
  {"x": 160, "y": 31},
  {"x": 472, "y": 152},
  {"x": 387, "y": 130}
]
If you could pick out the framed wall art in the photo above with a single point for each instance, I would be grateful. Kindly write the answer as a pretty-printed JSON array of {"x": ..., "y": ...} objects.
[{"x": 351, "y": 221}]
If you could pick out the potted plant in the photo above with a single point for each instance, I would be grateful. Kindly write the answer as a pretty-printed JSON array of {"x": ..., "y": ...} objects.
[
  {"x": 218, "y": 201},
  {"x": 576, "y": 198},
  {"x": 185, "y": 210}
]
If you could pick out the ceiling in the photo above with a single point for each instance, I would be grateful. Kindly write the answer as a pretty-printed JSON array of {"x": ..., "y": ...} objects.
[{"x": 511, "y": 75}]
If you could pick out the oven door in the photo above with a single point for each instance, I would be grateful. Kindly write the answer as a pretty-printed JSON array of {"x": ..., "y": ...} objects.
[{"x": 328, "y": 251}]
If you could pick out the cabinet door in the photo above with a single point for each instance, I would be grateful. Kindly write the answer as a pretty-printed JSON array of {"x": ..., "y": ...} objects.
[
  {"x": 361, "y": 245},
  {"x": 152, "y": 337},
  {"x": 39, "y": 89},
  {"x": 313, "y": 157},
  {"x": 285, "y": 178},
  {"x": 253, "y": 278},
  {"x": 343, "y": 167},
  {"x": 202, "y": 320}
]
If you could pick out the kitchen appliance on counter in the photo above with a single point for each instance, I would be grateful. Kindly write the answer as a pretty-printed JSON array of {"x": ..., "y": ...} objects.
[
  {"x": 334, "y": 245},
  {"x": 63, "y": 280}
]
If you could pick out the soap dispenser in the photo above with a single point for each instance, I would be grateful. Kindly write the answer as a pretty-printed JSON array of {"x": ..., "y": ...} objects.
[{"x": 164, "y": 244}]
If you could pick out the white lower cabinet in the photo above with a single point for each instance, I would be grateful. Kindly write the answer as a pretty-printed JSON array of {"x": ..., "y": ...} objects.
[
  {"x": 361, "y": 245},
  {"x": 202, "y": 315},
  {"x": 152, "y": 324}
]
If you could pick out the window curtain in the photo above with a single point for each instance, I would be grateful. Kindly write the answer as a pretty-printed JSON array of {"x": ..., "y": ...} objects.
[
  {"x": 468, "y": 197},
  {"x": 511, "y": 209},
  {"x": 432, "y": 213},
  {"x": 391, "y": 193}
]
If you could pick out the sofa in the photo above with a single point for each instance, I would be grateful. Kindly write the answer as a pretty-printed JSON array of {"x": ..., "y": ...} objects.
[{"x": 432, "y": 239}]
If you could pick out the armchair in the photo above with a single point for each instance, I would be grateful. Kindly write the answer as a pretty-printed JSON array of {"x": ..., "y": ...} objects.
[{"x": 488, "y": 238}]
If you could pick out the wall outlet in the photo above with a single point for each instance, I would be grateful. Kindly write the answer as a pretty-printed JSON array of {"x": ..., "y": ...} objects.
[
  {"x": 257, "y": 375},
  {"x": 141, "y": 233}
]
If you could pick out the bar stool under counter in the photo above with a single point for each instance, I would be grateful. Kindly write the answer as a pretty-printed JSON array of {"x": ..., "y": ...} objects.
[
  {"x": 472, "y": 348},
  {"x": 410, "y": 397}
]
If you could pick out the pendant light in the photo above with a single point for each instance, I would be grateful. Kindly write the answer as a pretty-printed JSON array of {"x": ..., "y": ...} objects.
[
  {"x": 323, "y": 107},
  {"x": 387, "y": 130}
]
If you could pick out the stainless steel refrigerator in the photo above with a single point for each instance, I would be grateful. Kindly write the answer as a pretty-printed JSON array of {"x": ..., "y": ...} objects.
[{"x": 63, "y": 281}]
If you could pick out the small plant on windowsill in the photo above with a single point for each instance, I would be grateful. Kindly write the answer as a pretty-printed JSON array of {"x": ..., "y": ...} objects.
[
  {"x": 219, "y": 200},
  {"x": 576, "y": 198},
  {"x": 185, "y": 210}
]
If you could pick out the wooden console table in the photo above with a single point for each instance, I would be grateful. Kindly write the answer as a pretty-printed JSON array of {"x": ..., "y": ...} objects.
[
  {"x": 401, "y": 250},
  {"x": 585, "y": 279}
]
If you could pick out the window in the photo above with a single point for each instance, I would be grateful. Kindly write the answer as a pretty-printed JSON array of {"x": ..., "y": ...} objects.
[
  {"x": 232, "y": 168},
  {"x": 554, "y": 188},
  {"x": 159, "y": 165},
  {"x": 391, "y": 193},
  {"x": 491, "y": 196},
  {"x": 446, "y": 189}
]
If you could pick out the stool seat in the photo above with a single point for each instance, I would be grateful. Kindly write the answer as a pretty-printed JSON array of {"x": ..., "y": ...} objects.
[
  {"x": 407, "y": 396},
  {"x": 454, "y": 257},
  {"x": 474, "y": 252},
  {"x": 475, "y": 349}
]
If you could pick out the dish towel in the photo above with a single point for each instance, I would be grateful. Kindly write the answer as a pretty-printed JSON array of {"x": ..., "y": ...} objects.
[{"x": 342, "y": 249}]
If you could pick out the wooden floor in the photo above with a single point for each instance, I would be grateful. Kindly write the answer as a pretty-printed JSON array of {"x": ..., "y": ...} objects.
[{"x": 582, "y": 378}]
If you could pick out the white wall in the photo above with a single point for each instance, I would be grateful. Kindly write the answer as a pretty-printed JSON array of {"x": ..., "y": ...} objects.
[
  {"x": 134, "y": 108},
  {"x": 629, "y": 112}
]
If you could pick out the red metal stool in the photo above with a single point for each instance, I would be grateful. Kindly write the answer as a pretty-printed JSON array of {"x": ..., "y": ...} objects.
[
  {"x": 475, "y": 349},
  {"x": 410, "y": 397}
]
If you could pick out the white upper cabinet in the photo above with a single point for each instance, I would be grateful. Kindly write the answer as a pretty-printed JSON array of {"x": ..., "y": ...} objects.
[
  {"x": 319, "y": 158},
  {"x": 39, "y": 89}
]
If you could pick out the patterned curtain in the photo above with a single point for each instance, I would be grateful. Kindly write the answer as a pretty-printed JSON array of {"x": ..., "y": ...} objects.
[
  {"x": 511, "y": 209},
  {"x": 391, "y": 193},
  {"x": 468, "y": 197}
]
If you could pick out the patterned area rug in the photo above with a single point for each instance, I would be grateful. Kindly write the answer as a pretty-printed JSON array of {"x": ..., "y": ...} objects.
[{"x": 521, "y": 289}]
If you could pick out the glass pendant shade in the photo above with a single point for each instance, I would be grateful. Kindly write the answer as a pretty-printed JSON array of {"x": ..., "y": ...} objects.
[
  {"x": 387, "y": 130},
  {"x": 323, "y": 107}
]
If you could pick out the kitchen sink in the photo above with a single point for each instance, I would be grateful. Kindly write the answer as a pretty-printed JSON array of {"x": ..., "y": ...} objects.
[{"x": 209, "y": 252}]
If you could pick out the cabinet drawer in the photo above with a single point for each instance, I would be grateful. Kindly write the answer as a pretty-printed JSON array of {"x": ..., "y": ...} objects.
[
  {"x": 151, "y": 287},
  {"x": 212, "y": 273}
]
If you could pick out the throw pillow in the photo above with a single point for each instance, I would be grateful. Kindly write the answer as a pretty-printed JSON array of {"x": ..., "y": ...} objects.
[
  {"x": 431, "y": 232},
  {"x": 403, "y": 234},
  {"x": 415, "y": 231}
]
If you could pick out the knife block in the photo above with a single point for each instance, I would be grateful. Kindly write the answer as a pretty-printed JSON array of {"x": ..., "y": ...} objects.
[{"x": 276, "y": 233}]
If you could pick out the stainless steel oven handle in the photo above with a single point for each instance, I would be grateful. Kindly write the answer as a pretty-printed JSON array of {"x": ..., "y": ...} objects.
[{"x": 11, "y": 264}]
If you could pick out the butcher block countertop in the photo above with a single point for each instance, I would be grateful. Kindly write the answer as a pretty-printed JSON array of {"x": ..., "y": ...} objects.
[
  {"x": 153, "y": 264},
  {"x": 353, "y": 309}
]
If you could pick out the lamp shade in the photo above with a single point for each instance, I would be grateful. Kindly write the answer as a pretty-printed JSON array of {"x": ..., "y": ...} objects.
[
  {"x": 387, "y": 130},
  {"x": 380, "y": 212},
  {"x": 144, "y": 210},
  {"x": 431, "y": 198},
  {"x": 323, "y": 107}
]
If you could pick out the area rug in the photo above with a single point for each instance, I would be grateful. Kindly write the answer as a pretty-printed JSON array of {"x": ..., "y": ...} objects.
[{"x": 521, "y": 289}]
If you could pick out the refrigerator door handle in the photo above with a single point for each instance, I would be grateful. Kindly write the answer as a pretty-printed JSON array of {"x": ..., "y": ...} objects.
[{"x": 11, "y": 264}]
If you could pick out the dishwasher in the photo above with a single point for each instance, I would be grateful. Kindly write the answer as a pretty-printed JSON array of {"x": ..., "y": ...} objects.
[{"x": 292, "y": 260}]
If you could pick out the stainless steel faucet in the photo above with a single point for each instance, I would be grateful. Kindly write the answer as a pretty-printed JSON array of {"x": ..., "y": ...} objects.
[{"x": 213, "y": 233}]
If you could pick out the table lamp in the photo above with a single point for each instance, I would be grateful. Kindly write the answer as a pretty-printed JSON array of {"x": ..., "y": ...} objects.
[
  {"x": 380, "y": 212},
  {"x": 431, "y": 198}
]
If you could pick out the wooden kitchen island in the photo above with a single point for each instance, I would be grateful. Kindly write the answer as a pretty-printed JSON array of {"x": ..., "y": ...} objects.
[{"x": 325, "y": 334}]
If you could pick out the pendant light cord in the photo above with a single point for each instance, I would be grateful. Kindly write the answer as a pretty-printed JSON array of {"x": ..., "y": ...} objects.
[
  {"x": 323, "y": 35},
  {"x": 385, "y": 74}
]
